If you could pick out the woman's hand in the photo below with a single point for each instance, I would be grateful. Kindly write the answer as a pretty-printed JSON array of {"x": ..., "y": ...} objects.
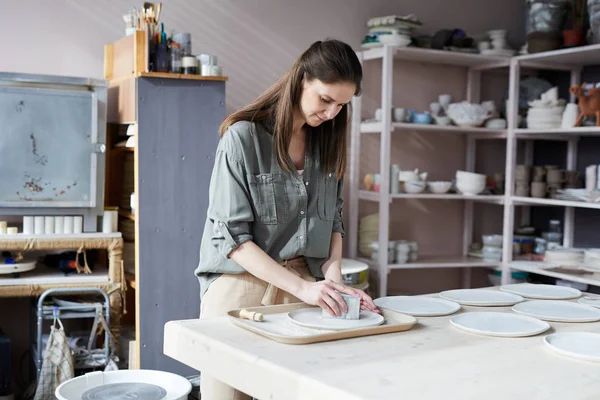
[{"x": 326, "y": 294}]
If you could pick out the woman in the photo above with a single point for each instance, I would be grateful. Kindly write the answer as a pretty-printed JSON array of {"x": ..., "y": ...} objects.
[{"x": 274, "y": 229}]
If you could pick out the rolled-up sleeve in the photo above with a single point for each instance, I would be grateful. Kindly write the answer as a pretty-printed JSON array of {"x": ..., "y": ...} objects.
[
  {"x": 229, "y": 205},
  {"x": 338, "y": 224}
]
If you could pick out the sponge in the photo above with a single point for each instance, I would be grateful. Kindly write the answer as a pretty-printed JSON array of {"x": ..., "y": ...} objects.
[{"x": 353, "y": 303}]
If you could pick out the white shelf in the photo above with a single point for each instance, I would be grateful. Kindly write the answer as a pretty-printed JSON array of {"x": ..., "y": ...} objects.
[
  {"x": 554, "y": 202},
  {"x": 481, "y": 133},
  {"x": 540, "y": 133},
  {"x": 542, "y": 269},
  {"x": 440, "y": 262},
  {"x": 94, "y": 235},
  {"x": 43, "y": 275},
  {"x": 443, "y": 57},
  {"x": 374, "y": 196},
  {"x": 576, "y": 57}
]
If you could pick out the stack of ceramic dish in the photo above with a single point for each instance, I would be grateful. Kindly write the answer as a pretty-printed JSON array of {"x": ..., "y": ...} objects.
[
  {"x": 564, "y": 256},
  {"x": 467, "y": 115},
  {"x": 499, "y": 45},
  {"x": 391, "y": 30},
  {"x": 470, "y": 183},
  {"x": 368, "y": 233},
  {"x": 591, "y": 259},
  {"x": 546, "y": 112},
  {"x": 492, "y": 248}
]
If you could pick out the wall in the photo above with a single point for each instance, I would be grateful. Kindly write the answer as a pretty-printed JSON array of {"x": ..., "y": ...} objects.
[{"x": 255, "y": 42}]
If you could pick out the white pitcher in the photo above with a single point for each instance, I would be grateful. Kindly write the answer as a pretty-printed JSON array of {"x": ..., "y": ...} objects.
[{"x": 569, "y": 116}]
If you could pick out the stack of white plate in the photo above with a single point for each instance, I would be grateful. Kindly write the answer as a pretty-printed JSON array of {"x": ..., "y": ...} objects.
[
  {"x": 546, "y": 112},
  {"x": 591, "y": 259},
  {"x": 368, "y": 232},
  {"x": 545, "y": 117},
  {"x": 564, "y": 256}
]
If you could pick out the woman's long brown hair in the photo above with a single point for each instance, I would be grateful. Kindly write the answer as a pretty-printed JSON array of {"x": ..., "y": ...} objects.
[{"x": 330, "y": 61}]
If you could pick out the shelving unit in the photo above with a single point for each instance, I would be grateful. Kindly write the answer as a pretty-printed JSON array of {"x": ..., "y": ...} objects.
[
  {"x": 175, "y": 120},
  {"x": 571, "y": 60},
  {"x": 475, "y": 64}
]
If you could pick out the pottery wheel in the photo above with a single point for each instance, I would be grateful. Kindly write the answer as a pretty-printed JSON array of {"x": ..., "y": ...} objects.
[
  {"x": 125, "y": 391},
  {"x": 312, "y": 318}
]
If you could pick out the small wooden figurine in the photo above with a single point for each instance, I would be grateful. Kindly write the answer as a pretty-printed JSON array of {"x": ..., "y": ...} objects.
[{"x": 589, "y": 103}]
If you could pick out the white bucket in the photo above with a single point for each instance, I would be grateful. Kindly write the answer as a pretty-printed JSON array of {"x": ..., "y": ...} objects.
[
  {"x": 355, "y": 273},
  {"x": 176, "y": 387}
]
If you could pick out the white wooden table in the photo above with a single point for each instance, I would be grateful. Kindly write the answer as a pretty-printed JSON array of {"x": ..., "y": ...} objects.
[{"x": 434, "y": 360}]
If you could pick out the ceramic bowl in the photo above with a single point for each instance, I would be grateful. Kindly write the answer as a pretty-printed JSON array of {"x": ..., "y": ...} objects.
[
  {"x": 395, "y": 39},
  {"x": 414, "y": 187},
  {"x": 496, "y": 123},
  {"x": 440, "y": 187},
  {"x": 421, "y": 118},
  {"x": 492, "y": 240},
  {"x": 442, "y": 120},
  {"x": 470, "y": 177},
  {"x": 470, "y": 188}
]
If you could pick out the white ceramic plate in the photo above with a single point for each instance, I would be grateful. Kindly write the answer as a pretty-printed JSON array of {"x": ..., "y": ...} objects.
[
  {"x": 594, "y": 302},
  {"x": 582, "y": 345},
  {"x": 418, "y": 306},
  {"x": 17, "y": 268},
  {"x": 499, "y": 324},
  {"x": 544, "y": 292},
  {"x": 558, "y": 311},
  {"x": 481, "y": 297},
  {"x": 311, "y": 318}
]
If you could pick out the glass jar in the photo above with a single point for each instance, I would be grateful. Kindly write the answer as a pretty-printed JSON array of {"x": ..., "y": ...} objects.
[
  {"x": 526, "y": 246},
  {"x": 554, "y": 226},
  {"x": 176, "y": 58},
  {"x": 546, "y": 16}
]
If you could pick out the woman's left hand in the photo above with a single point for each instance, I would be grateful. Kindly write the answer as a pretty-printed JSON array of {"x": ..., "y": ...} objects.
[{"x": 366, "y": 302}]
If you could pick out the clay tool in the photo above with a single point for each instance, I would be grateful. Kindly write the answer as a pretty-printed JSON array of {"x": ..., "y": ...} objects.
[{"x": 251, "y": 315}]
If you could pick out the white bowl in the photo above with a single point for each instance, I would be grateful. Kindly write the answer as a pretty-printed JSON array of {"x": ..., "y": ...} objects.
[
  {"x": 465, "y": 176},
  {"x": 414, "y": 187},
  {"x": 492, "y": 240},
  {"x": 440, "y": 187},
  {"x": 394, "y": 39},
  {"x": 469, "y": 188}
]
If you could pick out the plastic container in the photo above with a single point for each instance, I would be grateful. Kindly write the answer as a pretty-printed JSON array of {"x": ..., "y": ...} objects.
[
  {"x": 492, "y": 254},
  {"x": 492, "y": 240}
]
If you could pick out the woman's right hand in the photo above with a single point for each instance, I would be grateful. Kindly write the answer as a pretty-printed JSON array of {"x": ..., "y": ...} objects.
[{"x": 326, "y": 294}]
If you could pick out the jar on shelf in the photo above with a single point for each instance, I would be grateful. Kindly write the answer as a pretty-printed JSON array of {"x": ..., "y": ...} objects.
[
  {"x": 176, "y": 67},
  {"x": 554, "y": 226},
  {"x": 526, "y": 246},
  {"x": 516, "y": 248}
]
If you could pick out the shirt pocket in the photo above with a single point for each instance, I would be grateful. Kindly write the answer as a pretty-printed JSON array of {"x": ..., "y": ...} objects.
[
  {"x": 269, "y": 196},
  {"x": 327, "y": 199}
]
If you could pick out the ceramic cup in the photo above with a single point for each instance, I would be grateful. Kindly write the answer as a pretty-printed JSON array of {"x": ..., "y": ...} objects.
[
  {"x": 521, "y": 189},
  {"x": 379, "y": 114},
  {"x": 522, "y": 173},
  {"x": 556, "y": 176},
  {"x": 538, "y": 189},
  {"x": 483, "y": 45},
  {"x": 553, "y": 188},
  {"x": 435, "y": 108},
  {"x": 569, "y": 116},
  {"x": 445, "y": 100},
  {"x": 539, "y": 174},
  {"x": 399, "y": 114}
]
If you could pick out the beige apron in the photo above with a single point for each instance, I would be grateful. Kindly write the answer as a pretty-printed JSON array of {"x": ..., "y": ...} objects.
[{"x": 232, "y": 291}]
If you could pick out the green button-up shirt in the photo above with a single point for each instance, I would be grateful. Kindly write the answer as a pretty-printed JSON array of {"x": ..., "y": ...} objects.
[{"x": 252, "y": 198}]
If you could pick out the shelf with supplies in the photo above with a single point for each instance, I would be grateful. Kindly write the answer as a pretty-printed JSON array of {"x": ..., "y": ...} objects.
[
  {"x": 478, "y": 133},
  {"x": 570, "y": 60},
  {"x": 437, "y": 261},
  {"x": 555, "y": 271},
  {"x": 369, "y": 195}
]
